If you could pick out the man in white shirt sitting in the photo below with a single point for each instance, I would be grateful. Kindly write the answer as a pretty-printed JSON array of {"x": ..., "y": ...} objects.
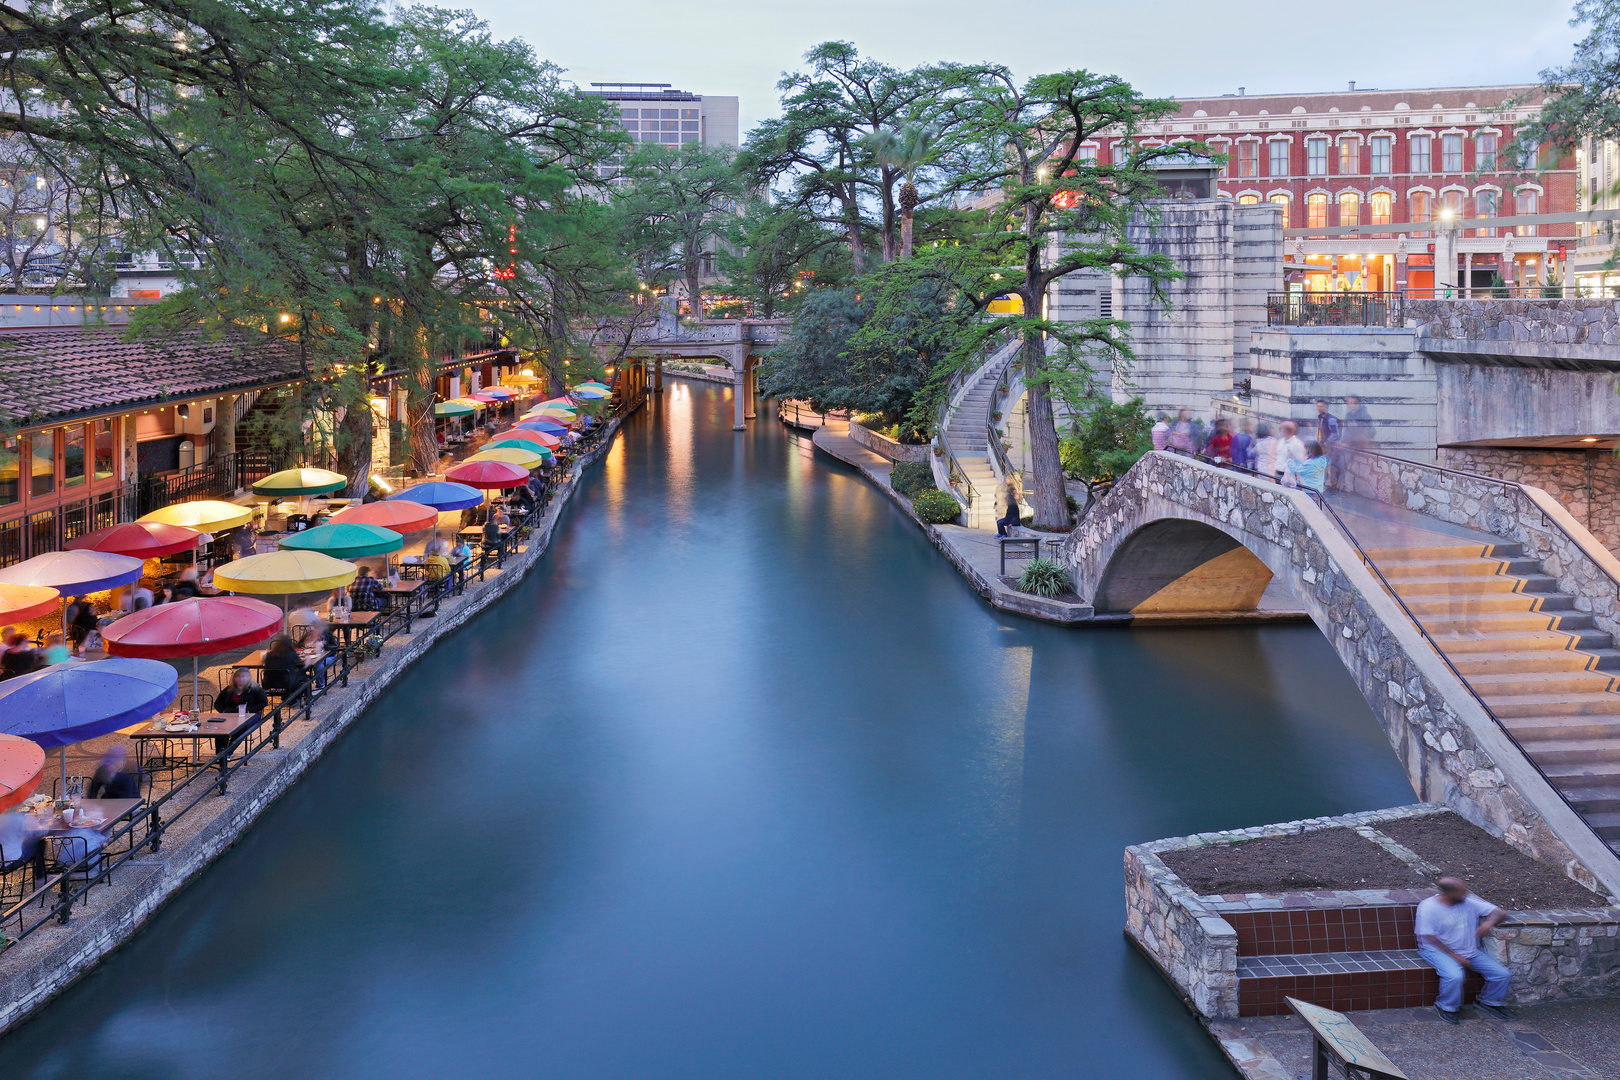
[{"x": 1449, "y": 929}]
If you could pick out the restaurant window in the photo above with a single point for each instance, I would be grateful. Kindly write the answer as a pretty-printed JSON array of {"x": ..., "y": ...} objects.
[
  {"x": 1282, "y": 201},
  {"x": 42, "y": 533},
  {"x": 11, "y": 542},
  {"x": 43, "y": 469},
  {"x": 1316, "y": 157},
  {"x": 1349, "y": 157},
  {"x": 1418, "y": 204},
  {"x": 73, "y": 462},
  {"x": 1485, "y": 207},
  {"x": 1418, "y": 151},
  {"x": 1485, "y": 151},
  {"x": 1349, "y": 209},
  {"x": 1279, "y": 158},
  {"x": 1088, "y": 155},
  {"x": 1451, "y": 155},
  {"x": 1451, "y": 204},
  {"x": 1380, "y": 155},
  {"x": 12, "y": 452},
  {"x": 106, "y": 456},
  {"x": 1316, "y": 211},
  {"x": 1247, "y": 153},
  {"x": 1248, "y": 200},
  {"x": 1524, "y": 204}
]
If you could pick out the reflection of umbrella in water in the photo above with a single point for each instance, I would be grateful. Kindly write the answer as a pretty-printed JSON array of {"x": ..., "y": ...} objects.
[
  {"x": 200, "y": 626},
  {"x": 79, "y": 700}
]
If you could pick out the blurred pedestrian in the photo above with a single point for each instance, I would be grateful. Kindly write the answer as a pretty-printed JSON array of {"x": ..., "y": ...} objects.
[
  {"x": 1327, "y": 425},
  {"x": 1243, "y": 444},
  {"x": 1007, "y": 505},
  {"x": 1160, "y": 434},
  {"x": 1310, "y": 474},
  {"x": 1219, "y": 446},
  {"x": 1357, "y": 428},
  {"x": 1289, "y": 448},
  {"x": 1183, "y": 434}
]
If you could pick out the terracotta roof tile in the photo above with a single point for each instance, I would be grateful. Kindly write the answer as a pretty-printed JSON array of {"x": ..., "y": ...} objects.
[{"x": 53, "y": 373}]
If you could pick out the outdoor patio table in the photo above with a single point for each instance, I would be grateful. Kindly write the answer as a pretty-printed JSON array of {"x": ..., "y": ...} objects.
[
  {"x": 221, "y": 727},
  {"x": 114, "y": 811},
  {"x": 404, "y": 594},
  {"x": 355, "y": 622}
]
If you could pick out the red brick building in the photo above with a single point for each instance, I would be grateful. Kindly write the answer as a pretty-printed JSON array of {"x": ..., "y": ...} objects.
[{"x": 1402, "y": 157}]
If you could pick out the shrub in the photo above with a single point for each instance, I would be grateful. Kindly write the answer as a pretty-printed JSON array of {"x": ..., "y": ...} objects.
[
  {"x": 910, "y": 477},
  {"x": 1043, "y": 577},
  {"x": 935, "y": 507}
]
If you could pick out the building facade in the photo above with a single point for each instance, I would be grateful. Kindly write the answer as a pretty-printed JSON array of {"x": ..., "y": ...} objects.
[
  {"x": 656, "y": 113},
  {"x": 1406, "y": 158}
]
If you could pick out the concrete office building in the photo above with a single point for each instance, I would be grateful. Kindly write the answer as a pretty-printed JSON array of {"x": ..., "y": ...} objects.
[{"x": 656, "y": 113}]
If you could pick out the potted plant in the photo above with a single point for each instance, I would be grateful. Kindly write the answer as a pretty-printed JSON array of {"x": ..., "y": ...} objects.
[{"x": 995, "y": 414}]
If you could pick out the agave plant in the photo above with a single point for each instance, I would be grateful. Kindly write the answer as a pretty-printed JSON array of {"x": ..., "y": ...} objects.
[{"x": 1044, "y": 577}]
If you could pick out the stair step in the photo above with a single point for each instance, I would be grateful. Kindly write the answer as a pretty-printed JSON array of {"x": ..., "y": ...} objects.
[
  {"x": 1448, "y": 551},
  {"x": 1431, "y": 568},
  {"x": 1536, "y": 706},
  {"x": 1488, "y": 663},
  {"x": 1391, "y": 979},
  {"x": 1594, "y": 800},
  {"x": 1510, "y": 601},
  {"x": 1469, "y": 642},
  {"x": 1534, "y": 584},
  {"x": 1573, "y": 751},
  {"x": 1541, "y": 729},
  {"x": 1502, "y": 620},
  {"x": 1606, "y": 825},
  {"x": 1493, "y": 685},
  {"x": 1592, "y": 776}
]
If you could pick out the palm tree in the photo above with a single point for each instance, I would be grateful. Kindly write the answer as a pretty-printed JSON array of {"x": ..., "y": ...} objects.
[{"x": 904, "y": 151}]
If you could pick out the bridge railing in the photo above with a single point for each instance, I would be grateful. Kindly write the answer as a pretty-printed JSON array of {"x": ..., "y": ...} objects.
[
  {"x": 1321, "y": 500},
  {"x": 1336, "y": 309}
]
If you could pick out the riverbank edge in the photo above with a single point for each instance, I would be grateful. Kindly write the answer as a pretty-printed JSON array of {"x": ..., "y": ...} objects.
[
  {"x": 826, "y": 439},
  {"x": 102, "y": 930}
]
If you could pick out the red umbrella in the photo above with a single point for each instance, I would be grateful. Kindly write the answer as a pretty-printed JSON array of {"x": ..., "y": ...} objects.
[
  {"x": 200, "y": 626},
  {"x": 21, "y": 602},
  {"x": 540, "y": 438},
  {"x": 488, "y": 474},
  {"x": 21, "y": 762},
  {"x": 401, "y": 515},
  {"x": 140, "y": 539}
]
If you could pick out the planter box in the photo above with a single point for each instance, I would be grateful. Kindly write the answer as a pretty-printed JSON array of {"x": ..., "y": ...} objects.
[{"x": 882, "y": 444}]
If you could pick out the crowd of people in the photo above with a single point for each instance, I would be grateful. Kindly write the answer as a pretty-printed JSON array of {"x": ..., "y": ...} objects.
[{"x": 1275, "y": 452}]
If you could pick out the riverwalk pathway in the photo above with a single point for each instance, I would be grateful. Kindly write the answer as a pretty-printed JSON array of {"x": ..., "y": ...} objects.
[{"x": 37, "y": 968}]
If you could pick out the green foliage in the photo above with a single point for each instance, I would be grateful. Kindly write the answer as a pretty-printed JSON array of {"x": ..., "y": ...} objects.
[
  {"x": 935, "y": 507},
  {"x": 1043, "y": 577},
  {"x": 1106, "y": 441},
  {"x": 911, "y": 477},
  {"x": 681, "y": 198},
  {"x": 767, "y": 247}
]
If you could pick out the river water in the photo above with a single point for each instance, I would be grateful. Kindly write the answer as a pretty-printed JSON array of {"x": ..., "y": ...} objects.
[{"x": 742, "y": 782}]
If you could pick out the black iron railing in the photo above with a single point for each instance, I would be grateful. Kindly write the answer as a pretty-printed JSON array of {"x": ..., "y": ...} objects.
[{"x": 1336, "y": 309}]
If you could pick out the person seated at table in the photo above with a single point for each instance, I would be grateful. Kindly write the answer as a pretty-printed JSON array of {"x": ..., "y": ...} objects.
[
  {"x": 492, "y": 532},
  {"x": 20, "y": 834},
  {"x": 340, "y": 606},
  {"x": 501, "y": 518},
  {"x": 56, "y": 650},
  {"x": 20, "y": 657},
  {"x": 461, "y": 552},
  {"x": 81, "y": 619},
  {"x": 306, "y": 625},
  {"x": 366, "y": 594},
  {"x": 186, "y": 588},
  {"x": 140, "y": 595},
  {"x": 242, "y": 691},
  {"x": 161, "y": 595},
  {"x": 283, "y": 667},
  {"x": 112, "y": 779}
]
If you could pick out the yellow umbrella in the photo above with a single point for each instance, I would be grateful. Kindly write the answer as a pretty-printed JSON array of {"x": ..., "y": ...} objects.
[
  {"x": 300, "y": 482},
  {"x": 523, "y": 459},
  {"x": 204, "y": 515},
  {"x": 285, "y": 571}
]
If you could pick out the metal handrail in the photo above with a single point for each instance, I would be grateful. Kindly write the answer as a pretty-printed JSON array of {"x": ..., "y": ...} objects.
[
  {"x": 992, "y": 436},
  {"x": 1321, "y": 500},
  {"x": 953, "y": 469}
]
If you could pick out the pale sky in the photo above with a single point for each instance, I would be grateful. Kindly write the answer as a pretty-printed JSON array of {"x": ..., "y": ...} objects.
[{"x": 1170, "y": 47}]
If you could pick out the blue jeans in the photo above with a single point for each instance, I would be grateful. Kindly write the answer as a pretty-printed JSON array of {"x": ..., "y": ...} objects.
[{"x": 1451, "y": 978}]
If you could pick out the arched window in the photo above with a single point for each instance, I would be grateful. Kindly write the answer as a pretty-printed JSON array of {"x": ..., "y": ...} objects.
[
  {"x": 1248, "y": 200},
  {"x": 1525, "y": 203},
  {"x": 1418, "y": 203},
  {"x": 1282, "y": 201},
  {"x": 1316, "y": 211},
  {"x": 1349, "y": 209}
]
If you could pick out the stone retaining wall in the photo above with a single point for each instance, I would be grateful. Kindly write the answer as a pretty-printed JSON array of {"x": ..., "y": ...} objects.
[
  {"x": 882, "y": 444},
  {"x": 53, "y": 958},
  {"x": 1552, "y": 954},
  {"x": 1579, "y": 322},
  {"x": 1586, "y": 482}
]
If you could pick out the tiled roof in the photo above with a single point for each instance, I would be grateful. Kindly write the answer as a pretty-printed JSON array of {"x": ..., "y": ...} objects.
[{"x": 54, "y": 373}]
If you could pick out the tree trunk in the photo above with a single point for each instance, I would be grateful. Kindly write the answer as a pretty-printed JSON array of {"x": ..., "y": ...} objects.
[
  {"x": 354, "y": 449},
  {"x": 419, "y": 404},
  {"x": 694, "y": 291},
  {"x": 857, "y": 246},
  {"x": 905, "y": 234},
  {"x": 1046, "y": 493}
]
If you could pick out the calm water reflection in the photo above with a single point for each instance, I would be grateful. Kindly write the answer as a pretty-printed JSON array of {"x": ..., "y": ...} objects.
[{"x": 743, "y": 782}]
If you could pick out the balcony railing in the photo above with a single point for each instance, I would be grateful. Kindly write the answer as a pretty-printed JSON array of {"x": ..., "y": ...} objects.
[{"x": 1335, "y": 309}]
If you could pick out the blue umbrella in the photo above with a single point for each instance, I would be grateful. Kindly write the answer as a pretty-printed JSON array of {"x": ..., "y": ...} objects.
[
  {"x": 79, "y": 700},
  {"x": 73, "y": 572},
  {"x": 441, "y": 495},
  {"x": 544, "y": 425}
]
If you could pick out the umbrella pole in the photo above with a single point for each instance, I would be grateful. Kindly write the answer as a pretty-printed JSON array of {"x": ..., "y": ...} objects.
[
  {"x": 63, "y": 751},
  {"x": 194, "y": 691}
]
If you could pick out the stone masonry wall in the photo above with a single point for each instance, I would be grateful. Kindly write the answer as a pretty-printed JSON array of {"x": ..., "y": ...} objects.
[
  {"x": 1452, "y": 750},
  {"x": 1587, "y": 482},
  {"x": 1546, "y": 323},
  {"x": 1552, "y": 954},
  {"x": 889, "y": 448}
]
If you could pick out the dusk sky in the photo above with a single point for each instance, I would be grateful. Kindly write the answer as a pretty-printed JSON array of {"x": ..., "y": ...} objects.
[{"x": 1173, "y": 47}]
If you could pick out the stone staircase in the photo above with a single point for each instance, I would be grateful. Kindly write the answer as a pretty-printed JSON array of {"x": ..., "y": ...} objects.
[
  {"x": 1541, "y": 666},
  {"x": 965, "y": 432}
]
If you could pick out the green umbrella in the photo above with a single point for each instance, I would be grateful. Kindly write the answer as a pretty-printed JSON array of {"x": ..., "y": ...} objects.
[
  {"x": 300, "y": 482},
  {"x": 520, "y": 444},
  {"x": 346, "y": 540},
  {"x": 452, "y": 408}
]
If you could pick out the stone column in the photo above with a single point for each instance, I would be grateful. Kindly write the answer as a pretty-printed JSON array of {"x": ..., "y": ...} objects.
[
  {"x": 658, "y": 374},
  {"x": 748, "y": 387},
  {"x": 1400, "y": 263},
  {"x": 739, "y": 391}
]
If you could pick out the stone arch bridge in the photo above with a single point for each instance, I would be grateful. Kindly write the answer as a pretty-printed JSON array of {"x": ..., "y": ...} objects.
[
  {"x": 737, "y": 343},
  {"x": 1177, "y": 534}
]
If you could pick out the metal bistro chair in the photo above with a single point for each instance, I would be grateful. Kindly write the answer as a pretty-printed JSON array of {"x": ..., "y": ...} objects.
[
  {"x": 16, "y": 877},
  {"x": 82, "y": 783},
  {"x": 65, "y": 853}
]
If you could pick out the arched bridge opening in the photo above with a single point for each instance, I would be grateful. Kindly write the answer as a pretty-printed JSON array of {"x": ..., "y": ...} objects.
[{"x": 1178, "y": 565}]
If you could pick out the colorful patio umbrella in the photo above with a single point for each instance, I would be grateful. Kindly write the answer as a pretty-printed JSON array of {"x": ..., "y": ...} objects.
[
  {"x": 204, "y": 515},
  {"x": 138, "y": 539},
  {"x": 529, "y": 437},
  {"x": 487, "y": 399},
  {"x": 20, "y": 602},
  {"x": 591, "y": 393},
  {"x": 553, "y": 407},
  {"x": 291, "y": 482},
  {"x": 542, "y": 454},
  {"x": 73, "y": 572},
  {"x": 79, "y": 700},
  {"x": 284, "y": 572},
  {"x": 439, "y": 495},
  {"x": 345, "y": 540},
  {"x": 401, "y": 515},
  {"x": 486, "y": 474},
  {"x": 21, "y": 762},
  {"x": 472, "y": 403},
  {"x": 523, "y": 458},
  {"x": 452, "y": 408},
  {"x": 498, "y": 392},
  {"x": 544, "y": 424},
  {"x": 200, "y": 626}
]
